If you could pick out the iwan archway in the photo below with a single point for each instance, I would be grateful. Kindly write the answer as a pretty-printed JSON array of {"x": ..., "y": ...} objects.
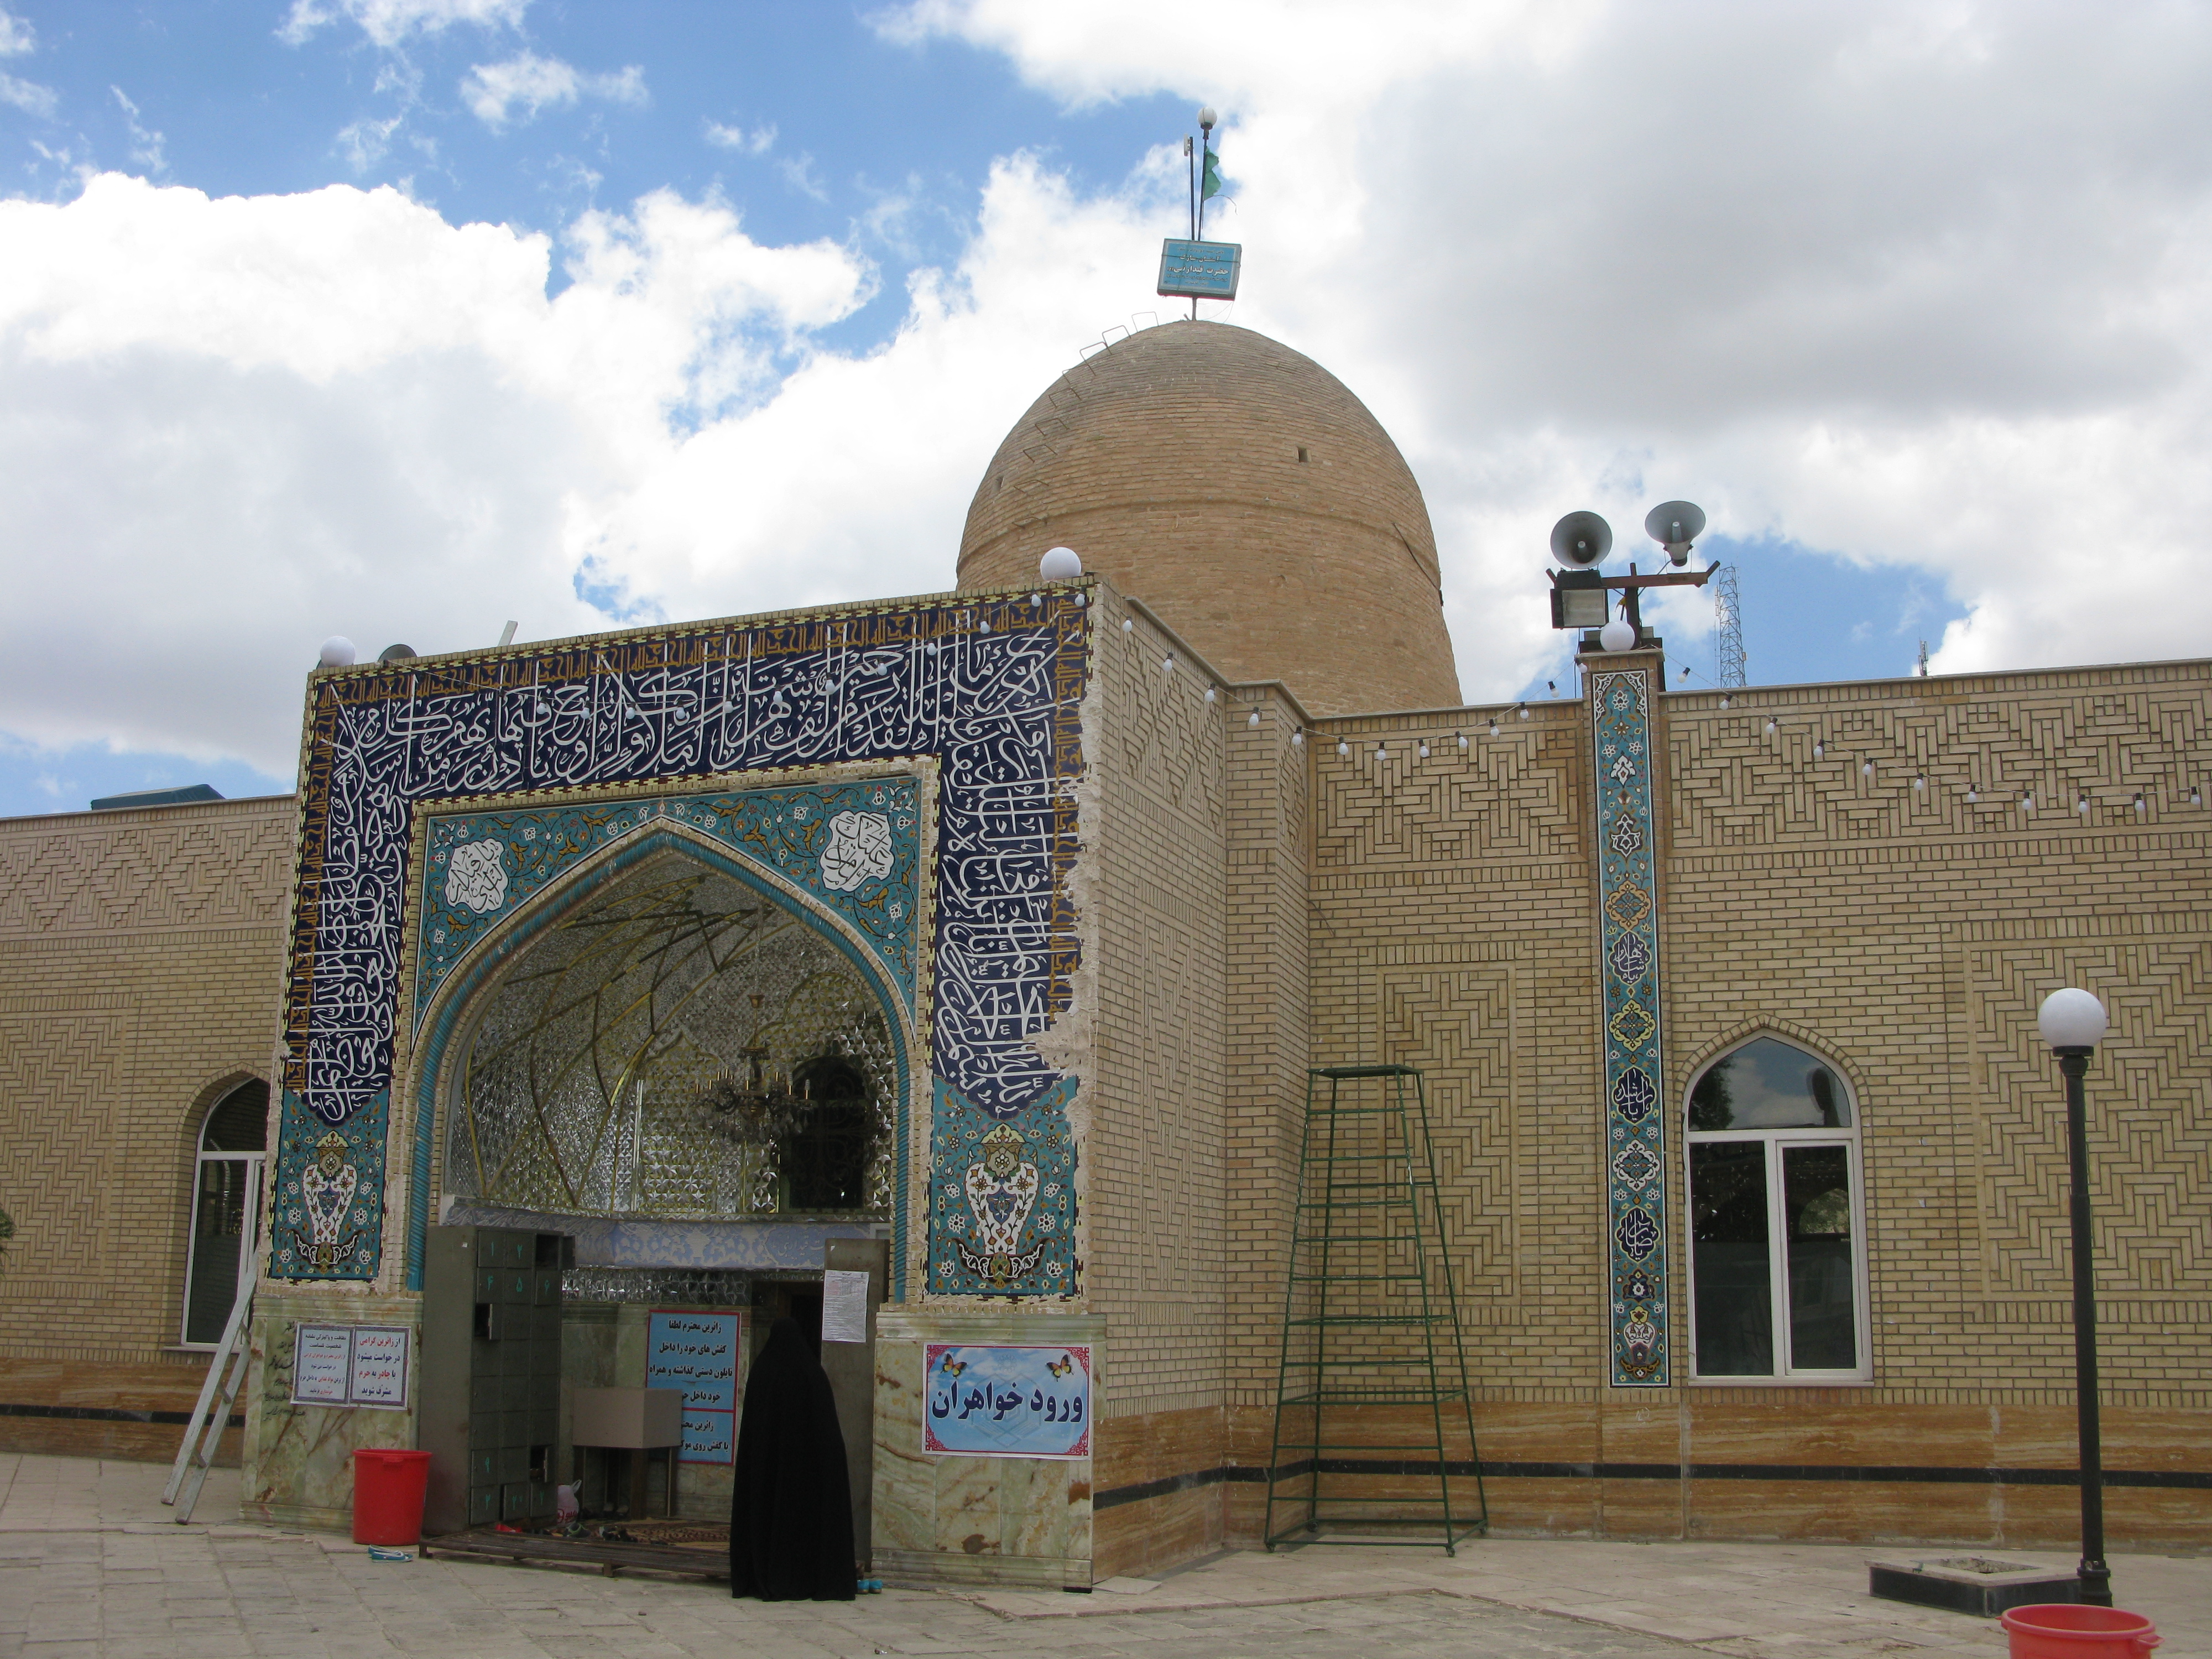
[{"x": 650, "y": 1026}]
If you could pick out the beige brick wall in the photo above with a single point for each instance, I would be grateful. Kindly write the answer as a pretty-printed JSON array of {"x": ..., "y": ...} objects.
[
  {"x": 1901, "y": 932},
  {"x": 140, "y": 956},
  {"x": 1157, "y": 1224}
]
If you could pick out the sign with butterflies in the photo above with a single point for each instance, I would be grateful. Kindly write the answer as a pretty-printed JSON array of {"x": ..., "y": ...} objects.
[{"x": 1007, "y": 1403}]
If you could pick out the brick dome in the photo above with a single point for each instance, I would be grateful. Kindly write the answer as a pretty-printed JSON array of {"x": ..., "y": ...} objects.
[{"x": 1240, "y": 490}]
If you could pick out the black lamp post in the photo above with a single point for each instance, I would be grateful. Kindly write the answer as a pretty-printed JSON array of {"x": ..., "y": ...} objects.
[{"x": 2071, "y": 1022}]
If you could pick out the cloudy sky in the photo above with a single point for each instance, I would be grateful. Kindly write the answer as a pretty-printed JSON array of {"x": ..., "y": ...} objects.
[{"x": 402, "y": 318}]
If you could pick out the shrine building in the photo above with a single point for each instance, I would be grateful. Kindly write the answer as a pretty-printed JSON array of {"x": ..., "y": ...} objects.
[{"x": 984, "y": 944}]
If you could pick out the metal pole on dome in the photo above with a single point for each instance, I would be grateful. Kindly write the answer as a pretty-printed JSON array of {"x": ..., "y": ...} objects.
[{"x": 1190, "y": 165}]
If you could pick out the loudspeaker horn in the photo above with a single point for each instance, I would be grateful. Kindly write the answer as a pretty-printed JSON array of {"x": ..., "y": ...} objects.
[
  {"x": 1675, "y": 525},
  {"x": 1581, "y": 540}
]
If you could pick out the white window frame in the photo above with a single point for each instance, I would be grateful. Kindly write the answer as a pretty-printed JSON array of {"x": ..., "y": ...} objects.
[
  {"x": 1777, "y": 1271},
  {"x": 251, "y": 1230}
]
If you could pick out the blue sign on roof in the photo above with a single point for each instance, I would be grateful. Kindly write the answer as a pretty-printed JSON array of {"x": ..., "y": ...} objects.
[{"x": 1200, "y": 270}]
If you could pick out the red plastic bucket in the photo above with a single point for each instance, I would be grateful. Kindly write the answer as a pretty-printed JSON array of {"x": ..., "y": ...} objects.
[
  {"x": 387, "y": 1496},
  {"x": 2064, "y": 1630}
]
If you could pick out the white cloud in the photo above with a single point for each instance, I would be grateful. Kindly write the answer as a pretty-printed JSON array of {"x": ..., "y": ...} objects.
[
  {"x": 527, "y": 83},
  {"x": 366, "y": 141},
  {"x": 758, "y": 142},
  {"x": 145, "y": 144},
  {"x": 28, "y": 96},
  {"x": 389, "y": 22},
  {"x": 17, "y": 39},
  {"x": 798, "y": 172},
  {"x": 1918, "y": 286},
  {"x": 1931, "y": 294},
  {"x": 230, "y": 427}
]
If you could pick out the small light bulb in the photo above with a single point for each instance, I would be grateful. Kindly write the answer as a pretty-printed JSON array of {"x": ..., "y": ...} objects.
[
  {"x": 1493, "y": 726},
  {"x": 2028, "y": 803},
  {"x": 1819, "y": 748},
  {"x": 1168, "y": 667},
  {"x": 1919, "y": 780},
  {"x": 1079, "y": 598},
  {"x": 1461, "y": 736},
  {"x": 1209, "y": 690},
  {"x": 2140, "y": 808},
  {"x": 1255, "y": 720},
  {"x": 1380, "y": 753},
  {"x": 1524, "y": 711},
  {"x": 1127, "y": 624},
  {"x": 2083, "y": 806},
  {"x": 1298, "y": 739},
  {"x": 2195, "y": 796},
  {"x": 1036, "y": 598},
  {"x": 1424, "y": 750},
  {"x": 1865, "y": 769},
  {"x": 1973, "y": 794},
  {"x": 1342, "y": 747},
  {"x": 1724, "y": 700},
  {"x": 1770, "y": 725}
]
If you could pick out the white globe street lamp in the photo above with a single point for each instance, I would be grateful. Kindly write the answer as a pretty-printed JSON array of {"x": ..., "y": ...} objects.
[{"x": 2073, "y": 1022}]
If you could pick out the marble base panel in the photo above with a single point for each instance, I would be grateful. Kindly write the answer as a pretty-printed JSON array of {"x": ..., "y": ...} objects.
[
  {"x": 1176, "y": 1459},
  {"x": 1011, "y": 1521},
  {"x": 78, "y": 1408},
  {"x": 298, "y": 1466},
  {"x": 1612, "y": 1466}
]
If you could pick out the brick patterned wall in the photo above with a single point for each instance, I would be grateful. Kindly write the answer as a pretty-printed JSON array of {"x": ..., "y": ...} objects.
[
  {"x": 1906, "y": 933},
  {"x": 1911, "y": 934},
  {"x": 140, "y": 955},
  {"x": 1453, "y": 914},
  {"x": 1157, "y": 1227}
]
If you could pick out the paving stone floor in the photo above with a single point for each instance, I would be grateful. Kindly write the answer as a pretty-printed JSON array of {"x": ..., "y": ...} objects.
[{"x": 91, "y": 1565}]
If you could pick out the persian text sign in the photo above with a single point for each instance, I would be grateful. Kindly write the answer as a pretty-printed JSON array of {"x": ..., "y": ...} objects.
[
  {"x": 698, "y": 1352},
  {"x": 1007, "y": 1403},
  {"x": 1200, "y": 270},
  {"x": 351, "y": 1365}
]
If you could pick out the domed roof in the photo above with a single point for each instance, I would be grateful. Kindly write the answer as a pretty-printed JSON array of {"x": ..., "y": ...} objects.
[{"x": 1240, "y": 490}]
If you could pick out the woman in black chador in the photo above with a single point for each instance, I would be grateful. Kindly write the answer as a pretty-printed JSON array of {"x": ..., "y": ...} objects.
[{"x": 791, "y": 1517}]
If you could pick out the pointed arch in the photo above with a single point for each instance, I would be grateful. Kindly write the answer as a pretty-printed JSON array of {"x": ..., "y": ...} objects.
[{"x": 448, "y": 1019}]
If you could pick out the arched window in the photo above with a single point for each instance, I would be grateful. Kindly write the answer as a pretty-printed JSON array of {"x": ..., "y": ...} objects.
[
  {"x": 226, "y": 1206},
  {"x": 1777, "y": 1248}
]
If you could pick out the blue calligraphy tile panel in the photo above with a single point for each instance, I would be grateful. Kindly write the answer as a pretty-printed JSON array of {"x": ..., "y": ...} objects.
[
  {"x": 992, "y": 688},
  {"x": 1636, "y": 1135}
]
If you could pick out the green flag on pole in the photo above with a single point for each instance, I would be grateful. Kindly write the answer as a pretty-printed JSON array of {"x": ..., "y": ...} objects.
[{"x": 1212, "y": 186}]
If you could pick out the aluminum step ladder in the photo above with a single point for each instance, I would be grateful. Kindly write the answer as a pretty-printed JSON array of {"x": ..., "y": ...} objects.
[{"x": 226, "y": 1375}]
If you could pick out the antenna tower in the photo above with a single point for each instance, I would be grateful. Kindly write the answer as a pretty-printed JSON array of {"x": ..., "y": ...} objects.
[{"x": 1727, "y": 629}]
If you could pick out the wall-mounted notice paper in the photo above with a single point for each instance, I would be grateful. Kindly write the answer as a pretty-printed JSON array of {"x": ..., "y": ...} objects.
[
  {"x": 322, "y": 1363},
  {"x": 380, "y": 1366},
  {"x": 699, "y": 1353},
  {"x": 351, "y": 1365},
  {"x": 844, "y": 1306}
]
